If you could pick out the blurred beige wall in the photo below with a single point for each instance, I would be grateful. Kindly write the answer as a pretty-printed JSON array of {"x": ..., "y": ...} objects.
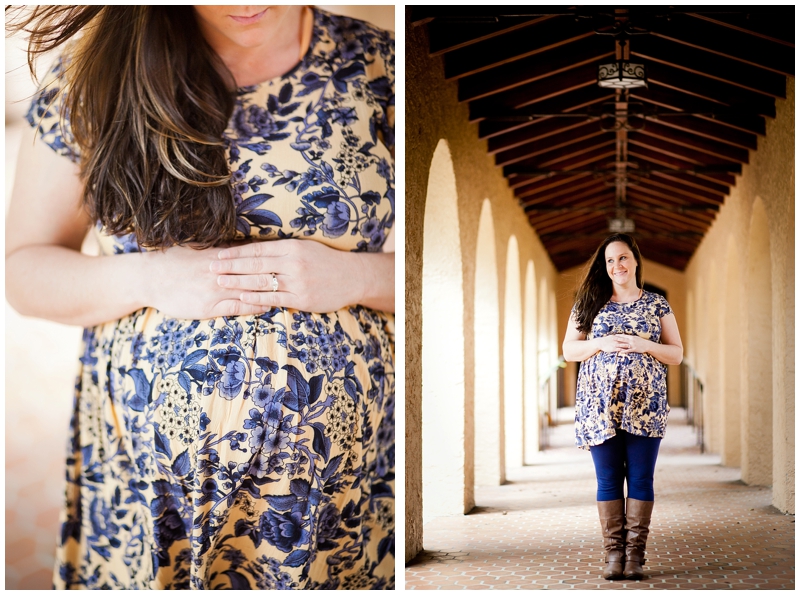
[{"x": 41, "y": 362}]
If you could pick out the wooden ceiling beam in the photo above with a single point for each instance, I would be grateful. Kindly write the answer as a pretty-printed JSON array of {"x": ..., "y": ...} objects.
[
  {"x": 589, "y": 50},
  {"x": 694, "y": 194},
  {"x": 681, "y": 177},
  {"x": 675, "y": 100},
  {"x": 601, "y": 201},
  {"x": 596, "y": 158},
  {"x": 534, "y": 133},
  {"x": 674, "y": 202},
  {"x": 572, "y": 223},
  {"x": 569, "y": 102},
  {"x": 698, "y": 221},
  {"x": 708, "y": 129},
  {"x": 678, "y": 151},
  {"x": 718, "y": 68},
  {"x": 509, "y": 101},
  {"x": 769, "y": 25},
  {"x": 692, "y": 141},
  {"x": 673, "y": 193},
  {"x": 703, "y": 87},
  {"x": 724, "y": 41},
  {"x": 580, "y": 189},
  {"x": 566, "y": 196},
  {"x": 444, "y": 37},
  {"x": 639, "y": 152},
  {"x": 552, "y": 143},
  {"x": 544, "y": 35},
  {"x": 551, "y": 158},
  {"x": 694, "y": 181}
]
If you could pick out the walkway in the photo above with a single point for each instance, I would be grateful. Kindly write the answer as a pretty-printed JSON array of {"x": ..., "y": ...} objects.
[{"x": 540, "y": 530}]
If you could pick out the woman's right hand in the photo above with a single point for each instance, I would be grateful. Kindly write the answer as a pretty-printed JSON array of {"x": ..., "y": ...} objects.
[
  {"x": 178, "y": 282},
  {"x": 613, "y": 343}
]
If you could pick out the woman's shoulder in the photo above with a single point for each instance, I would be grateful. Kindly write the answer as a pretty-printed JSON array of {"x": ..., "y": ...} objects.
[
  {"x": 47, "y": 112},
  {"x": 656, "y": 302},
  {"x": 341, "y": 29}
]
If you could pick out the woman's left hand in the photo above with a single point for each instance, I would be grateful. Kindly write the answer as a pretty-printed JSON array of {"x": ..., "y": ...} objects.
[
  {"x": 635, "y": 344},
  {"x": 311, "y": 277}
]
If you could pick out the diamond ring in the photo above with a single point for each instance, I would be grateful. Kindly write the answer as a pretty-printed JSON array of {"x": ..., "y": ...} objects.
[{"x": 274, "y": 283}]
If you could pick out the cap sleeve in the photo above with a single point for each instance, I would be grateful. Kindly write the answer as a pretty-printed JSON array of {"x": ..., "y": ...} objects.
[
  {"x": 47, "y": 114},
  {"x": 380, "y": 81},
  {"x": 662, "y": 306}
]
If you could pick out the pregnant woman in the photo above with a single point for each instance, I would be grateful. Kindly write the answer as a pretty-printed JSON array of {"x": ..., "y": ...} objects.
[
  {"x": 624, "y": 337},
  {"x": 233, "y": 423}
]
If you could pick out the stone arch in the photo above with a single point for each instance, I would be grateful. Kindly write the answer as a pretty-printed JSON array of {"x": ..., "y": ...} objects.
[
  {"x": 445, "y": 488},
  {"x": 731, "y": 376},
  {"x": 489, "y": 445},
  {"x": 512, "y": 358},
  {"x": 530, "y": 366},
  {"x": 543, "y": 349},
  {"x": 757, "y": 402}
]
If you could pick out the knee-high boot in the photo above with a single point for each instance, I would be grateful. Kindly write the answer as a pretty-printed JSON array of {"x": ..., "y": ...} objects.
[
  {"x": 612, "y": 523},
  {"x": 637, "y": 528}
]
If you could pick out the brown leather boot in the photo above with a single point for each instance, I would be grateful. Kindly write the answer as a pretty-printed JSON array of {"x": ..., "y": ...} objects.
[
  {"x": 637, "y": 527},
  {"x": 612, "y": 523}
]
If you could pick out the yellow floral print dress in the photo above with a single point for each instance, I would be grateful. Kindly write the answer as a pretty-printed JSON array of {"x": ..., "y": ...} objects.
[
  {"x": 251, "y": 452},
  {"x": 623, "y": 390}
]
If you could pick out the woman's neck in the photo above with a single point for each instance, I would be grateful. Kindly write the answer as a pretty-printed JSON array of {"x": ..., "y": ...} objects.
[
  {"x": 279, "y": 52},
  {"x": 624, "y": 294}
]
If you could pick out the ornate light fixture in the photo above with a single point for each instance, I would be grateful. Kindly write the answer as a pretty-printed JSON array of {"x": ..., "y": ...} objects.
[
  {"x": 621, "y": 75},
  {"x": 621, "y": 224}
]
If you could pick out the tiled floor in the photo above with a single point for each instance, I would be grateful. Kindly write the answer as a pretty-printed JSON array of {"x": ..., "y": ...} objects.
[{"x": 540, "y": 531}]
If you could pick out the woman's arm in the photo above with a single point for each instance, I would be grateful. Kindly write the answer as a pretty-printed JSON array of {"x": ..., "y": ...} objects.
[
  {"x": 669, "y": 351},
  {"x": 48, "y": 277},
  {"x": 577, "y": 349}
]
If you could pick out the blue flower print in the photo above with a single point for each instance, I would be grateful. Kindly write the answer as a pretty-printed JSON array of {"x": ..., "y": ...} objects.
[
  {"x": 337, "y": 219},
  {"x": 261, "y": 446},
  {"x": 626, "y": 391}
]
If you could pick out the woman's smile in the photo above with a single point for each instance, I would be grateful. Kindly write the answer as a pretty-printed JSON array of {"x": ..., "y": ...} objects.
[{"x": 249, "y": 20}]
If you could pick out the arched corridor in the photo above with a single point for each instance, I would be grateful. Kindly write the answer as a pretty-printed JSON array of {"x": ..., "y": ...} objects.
[{"x": 718, "y": 243}]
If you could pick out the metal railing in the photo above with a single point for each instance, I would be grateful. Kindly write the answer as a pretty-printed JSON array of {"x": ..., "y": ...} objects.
[
  {"x": 550, "y": 391},
  {"x": 692, "y": 389}
]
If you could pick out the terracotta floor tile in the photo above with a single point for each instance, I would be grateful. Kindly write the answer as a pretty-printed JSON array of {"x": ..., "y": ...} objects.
[{"x": 550, "y": 536}]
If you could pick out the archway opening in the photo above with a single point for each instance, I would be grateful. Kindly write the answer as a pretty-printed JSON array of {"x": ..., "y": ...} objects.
[
  {"x": 512, "y": 359},
  {"x": 489, "y": 444},
  {"x": 530, "y": 370},
  {"x": 445, "y": 490}
]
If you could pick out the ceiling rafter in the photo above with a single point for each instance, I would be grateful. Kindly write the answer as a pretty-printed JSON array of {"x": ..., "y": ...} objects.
[{"x": 665, "y": 155}]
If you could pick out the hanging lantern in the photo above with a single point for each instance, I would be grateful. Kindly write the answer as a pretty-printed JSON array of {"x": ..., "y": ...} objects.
[{"x": 621, "y": 75}]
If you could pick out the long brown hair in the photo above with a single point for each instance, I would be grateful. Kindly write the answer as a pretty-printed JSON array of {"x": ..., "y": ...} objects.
[
  {"x": 596, "y": 288},
  {"x": 147, "y": 102}
]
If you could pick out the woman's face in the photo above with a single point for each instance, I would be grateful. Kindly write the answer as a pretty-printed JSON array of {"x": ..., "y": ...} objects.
[
  {"x": 243, "y": 26},
  {"x": 620, "y": 263}
]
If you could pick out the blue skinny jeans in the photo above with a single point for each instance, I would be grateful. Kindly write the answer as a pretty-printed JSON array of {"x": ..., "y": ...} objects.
[{"x": 625, "y": 458}]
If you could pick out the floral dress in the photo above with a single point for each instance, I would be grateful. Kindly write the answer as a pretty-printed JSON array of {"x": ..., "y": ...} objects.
[
  {"x": 251, "y": 452},
  {"x": 623, "y": 390}
]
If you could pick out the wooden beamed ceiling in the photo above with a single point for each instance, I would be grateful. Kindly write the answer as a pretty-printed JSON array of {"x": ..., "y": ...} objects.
[{"x": 529, "y": 77}]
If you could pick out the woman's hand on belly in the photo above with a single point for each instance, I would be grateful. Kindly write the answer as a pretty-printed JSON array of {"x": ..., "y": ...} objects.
[
  {"x": 179, "y": 282},
  {"x": 634, "y": 344},
  {"x": 310, "y": 276},
  {"x": 613, "y": 343}
]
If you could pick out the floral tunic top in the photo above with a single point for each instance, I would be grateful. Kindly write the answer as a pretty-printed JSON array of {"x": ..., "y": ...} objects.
[
  {"x": 626, "y": 391},
  {"x": 251, "y": 452}
]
